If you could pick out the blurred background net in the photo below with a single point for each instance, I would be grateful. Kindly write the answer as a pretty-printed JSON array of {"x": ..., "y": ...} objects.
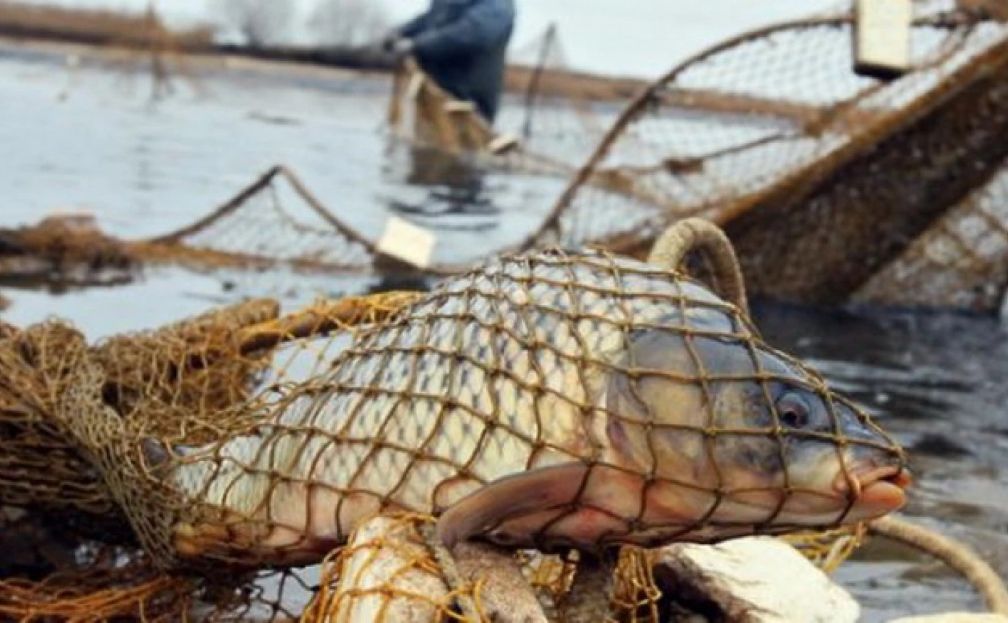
[
  {"x": 773, "y": 135},
  {"x": 961, "y": 261},
  {"x": 890, "y": 184}
]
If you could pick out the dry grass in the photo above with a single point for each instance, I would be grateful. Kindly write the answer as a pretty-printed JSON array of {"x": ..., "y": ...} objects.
[{"x": 96, "y": 27}]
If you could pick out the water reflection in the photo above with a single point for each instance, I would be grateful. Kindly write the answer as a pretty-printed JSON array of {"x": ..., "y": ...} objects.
[{"x": 453, "y": 184}]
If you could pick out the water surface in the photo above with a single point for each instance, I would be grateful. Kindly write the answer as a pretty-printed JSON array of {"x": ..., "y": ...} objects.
[{"x": 84, "y": 134}]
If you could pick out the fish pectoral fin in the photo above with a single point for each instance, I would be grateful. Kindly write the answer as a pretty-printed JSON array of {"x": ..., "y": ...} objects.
[
  {"x": 217, "y": 539},
  {"x": 512, "y": 496}
]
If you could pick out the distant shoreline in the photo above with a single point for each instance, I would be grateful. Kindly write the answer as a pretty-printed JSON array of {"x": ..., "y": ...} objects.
[{"x": 144, "y": 34}]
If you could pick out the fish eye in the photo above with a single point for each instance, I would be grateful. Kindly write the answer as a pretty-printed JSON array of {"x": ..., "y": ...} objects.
[{"x": 793, "y": 410}]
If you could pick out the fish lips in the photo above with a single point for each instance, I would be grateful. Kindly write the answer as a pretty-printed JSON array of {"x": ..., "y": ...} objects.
[{"x": 874, "y": 490}]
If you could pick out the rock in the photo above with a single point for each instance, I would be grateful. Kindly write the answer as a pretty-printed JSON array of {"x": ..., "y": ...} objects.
[
  {"x": 505, "y": 594},
  {"x": 752, "y": 580},
  {"x": 955, "y": 617}
]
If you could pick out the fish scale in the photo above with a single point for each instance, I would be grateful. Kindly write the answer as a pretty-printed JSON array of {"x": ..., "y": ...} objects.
[
  {"x": 526, "y": 365},
  {"x": 490, "y": 375}
]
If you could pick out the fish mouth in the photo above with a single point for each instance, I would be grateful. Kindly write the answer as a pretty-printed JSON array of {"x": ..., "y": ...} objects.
[{"x": 874, "y": 490}]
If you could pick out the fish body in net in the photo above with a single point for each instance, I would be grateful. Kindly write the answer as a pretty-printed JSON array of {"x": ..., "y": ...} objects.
[{"x": 551, "y": 399}]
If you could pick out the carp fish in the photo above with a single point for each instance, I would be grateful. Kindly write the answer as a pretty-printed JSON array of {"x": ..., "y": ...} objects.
[{"x": 549, "y": 400}]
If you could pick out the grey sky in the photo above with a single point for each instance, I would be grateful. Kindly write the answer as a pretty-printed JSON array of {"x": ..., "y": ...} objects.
[{"x": 631, "y": 37}]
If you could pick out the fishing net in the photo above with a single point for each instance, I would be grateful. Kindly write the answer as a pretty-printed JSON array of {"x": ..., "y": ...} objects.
[
  {"x": 454, "y": 392},
  {"x": 959, "y": 262},
  {"x": 422, "y": 111},
  {"x": 749, "y": 133},
  {"x": 275, "y": 221},
  {"x": 562, "y": 113},
  {"x": 245, "y": 441},
  {"x": 70, "y": 550},
  {"x": 772, "y": 134}
]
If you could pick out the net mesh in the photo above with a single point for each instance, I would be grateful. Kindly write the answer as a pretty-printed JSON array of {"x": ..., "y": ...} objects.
[
  {"x": 754, "y": 135},
  {"x": 274, "y": 221},
  {"x": 961, "y": 261},
  {"x": 258, "y": 443}
]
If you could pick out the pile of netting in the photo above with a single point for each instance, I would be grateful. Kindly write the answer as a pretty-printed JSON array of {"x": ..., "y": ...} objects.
[
  {"x": 71, "y": 550},
  {"x": 68, "y": 249},
  {"x": 197, "y": 471}
]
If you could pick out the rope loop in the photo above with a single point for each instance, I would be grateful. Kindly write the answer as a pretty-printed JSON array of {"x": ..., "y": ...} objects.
[{"x": 709, "y": 242}]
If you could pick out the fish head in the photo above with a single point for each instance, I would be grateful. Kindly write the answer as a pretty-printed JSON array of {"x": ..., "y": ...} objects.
[{"x": 731, "y": 437}]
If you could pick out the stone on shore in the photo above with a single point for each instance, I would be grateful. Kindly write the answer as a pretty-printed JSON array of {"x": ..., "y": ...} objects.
[
  {"x": 504, "y": 594},
  {"x": 752, "y": 580}
]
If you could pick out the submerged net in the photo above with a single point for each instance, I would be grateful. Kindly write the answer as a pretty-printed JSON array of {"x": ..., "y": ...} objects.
[{"x": 256, "y": 444}]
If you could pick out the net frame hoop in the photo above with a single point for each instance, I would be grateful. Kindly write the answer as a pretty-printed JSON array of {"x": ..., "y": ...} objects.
[
  {"x": 707, "y": 239},
  {"x": 238, "y": 200}
]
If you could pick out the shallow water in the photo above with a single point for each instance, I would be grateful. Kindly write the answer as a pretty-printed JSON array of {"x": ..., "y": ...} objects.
[
  {"x": 937, "y": 383},
  {"x": 85, "y": 135}
]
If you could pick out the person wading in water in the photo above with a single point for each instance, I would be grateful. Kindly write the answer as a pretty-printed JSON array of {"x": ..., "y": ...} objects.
[{"x": 461, "y": 44}]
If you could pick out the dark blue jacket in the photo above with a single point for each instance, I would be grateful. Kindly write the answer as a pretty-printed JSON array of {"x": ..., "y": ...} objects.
[{"x": 462, "y": 45}]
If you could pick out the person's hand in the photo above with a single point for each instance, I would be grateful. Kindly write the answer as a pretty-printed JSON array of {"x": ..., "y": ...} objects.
[
  {"x": 388, "y": 41},
  {"x": 401, "y": 47}
]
